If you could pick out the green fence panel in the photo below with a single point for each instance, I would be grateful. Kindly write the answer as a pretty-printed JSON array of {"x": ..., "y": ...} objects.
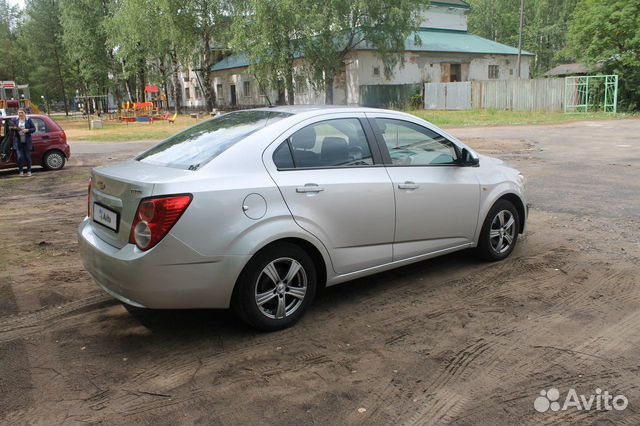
[{"x": 387, "y": 95}]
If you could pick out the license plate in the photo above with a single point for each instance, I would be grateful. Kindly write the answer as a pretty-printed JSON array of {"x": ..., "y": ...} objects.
[{"x": 105, "y": 217}]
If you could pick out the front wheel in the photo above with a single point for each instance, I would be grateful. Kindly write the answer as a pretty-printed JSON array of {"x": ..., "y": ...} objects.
[
  {"x": 53, "y": 160},
  {"x": 499, "y": 233},
  {"x": 276, "y": 287}
]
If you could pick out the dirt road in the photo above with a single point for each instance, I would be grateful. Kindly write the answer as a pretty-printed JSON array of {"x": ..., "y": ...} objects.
[{"x": 451, "y": 340}]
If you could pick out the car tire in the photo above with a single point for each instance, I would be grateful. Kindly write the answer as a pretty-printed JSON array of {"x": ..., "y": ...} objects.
[
  {"x": 499, "y": 234},
  {"x": 53, "y": 160},
  {"x": 276, "y": 287}
]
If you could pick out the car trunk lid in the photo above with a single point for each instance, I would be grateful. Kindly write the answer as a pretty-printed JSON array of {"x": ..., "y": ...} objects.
[{"x": 116, "y": 192}]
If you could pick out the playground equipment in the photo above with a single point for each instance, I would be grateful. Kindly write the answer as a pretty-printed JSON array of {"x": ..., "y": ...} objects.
[
  {"x": 591, "y": 93},
  {"x": 152, "y": 109},
  {"x": 15, "y": 96}
]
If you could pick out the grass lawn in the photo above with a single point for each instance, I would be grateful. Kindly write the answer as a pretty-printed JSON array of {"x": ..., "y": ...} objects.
[
  {"x": 116, "y": 131},
  {"x": 507, "y": 118}
]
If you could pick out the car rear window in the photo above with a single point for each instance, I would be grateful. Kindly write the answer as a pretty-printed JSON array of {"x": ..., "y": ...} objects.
[{"x": 196, "y": 146}]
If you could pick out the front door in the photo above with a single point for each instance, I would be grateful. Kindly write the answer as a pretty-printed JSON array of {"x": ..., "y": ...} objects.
[
  {"x": 335, "y": 188},
  {"x": 455, "y": 73},
  {"x": 437, "y": 200},
  {"x": 234, "y": 97}
]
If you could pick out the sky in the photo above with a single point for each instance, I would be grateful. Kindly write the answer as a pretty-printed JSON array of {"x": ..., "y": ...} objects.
[{"x": 17, "y": 2}]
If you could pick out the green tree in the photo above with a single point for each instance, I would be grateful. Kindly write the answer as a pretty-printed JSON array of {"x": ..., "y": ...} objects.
[
  {"x": 9, "y": 28},
  {"x": 334, "y": 28},
  {"x": 606, "y": 33},
  {"x": 268, "y": 32},
  {"x": 545, "y": 26},
  {"x": 132, "y": 32},
  {"x": 85, "y": 40},
  {"x": 206, "y": 27},
  {"x": 41, "y": 34}
]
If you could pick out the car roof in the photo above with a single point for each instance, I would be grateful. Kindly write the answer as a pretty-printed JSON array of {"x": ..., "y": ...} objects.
[
  {"x": 299, "y": 109},
  {"x": 28, "y": 116}
]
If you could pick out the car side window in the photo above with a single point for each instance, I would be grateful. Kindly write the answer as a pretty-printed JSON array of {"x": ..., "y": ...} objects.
[
  {"x": 410, "y": 144},
  {"x": 41, "y": 126},
  {"x": 331, "y": 143}
]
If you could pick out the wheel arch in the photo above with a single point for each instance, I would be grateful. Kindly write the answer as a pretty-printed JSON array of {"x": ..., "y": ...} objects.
[
  {"x": 314, "y": 252},
  {"x": 519, "y": 205}
]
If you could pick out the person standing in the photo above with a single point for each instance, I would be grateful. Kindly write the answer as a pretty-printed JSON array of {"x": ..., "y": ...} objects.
[{"x": 22, "y": 143}]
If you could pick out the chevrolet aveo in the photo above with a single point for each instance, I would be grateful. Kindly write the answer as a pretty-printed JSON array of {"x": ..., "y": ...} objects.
[{"x": 257, "y": 209}]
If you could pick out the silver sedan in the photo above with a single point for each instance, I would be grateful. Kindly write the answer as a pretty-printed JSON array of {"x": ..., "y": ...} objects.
[{"x": 257, "y": 209}]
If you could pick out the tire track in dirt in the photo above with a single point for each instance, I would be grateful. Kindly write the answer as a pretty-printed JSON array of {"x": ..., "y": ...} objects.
[
  {"x": 25, "y": 324},
  {"x": 441, "y": 403},
  {"x": 458, "y": 364},
  {"x": 507, "y": 376}
]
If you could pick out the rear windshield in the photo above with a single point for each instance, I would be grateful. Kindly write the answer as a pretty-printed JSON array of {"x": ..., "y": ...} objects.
[{"x": 200, "y": 144}]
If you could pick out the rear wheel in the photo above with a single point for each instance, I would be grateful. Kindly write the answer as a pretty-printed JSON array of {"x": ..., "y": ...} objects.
[
  {"x": 53, "y": 160},
  {"x": 276, "y": 287},
  {"x": 499, "y": 233}
]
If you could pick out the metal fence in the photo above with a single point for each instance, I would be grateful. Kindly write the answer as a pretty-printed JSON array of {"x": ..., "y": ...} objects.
[{"x": 513, "y": 95}]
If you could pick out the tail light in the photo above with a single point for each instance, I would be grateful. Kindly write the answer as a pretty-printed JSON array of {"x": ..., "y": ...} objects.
[
  {"x": 89, "y": 199},
  {"x": 155, "y": 218}
]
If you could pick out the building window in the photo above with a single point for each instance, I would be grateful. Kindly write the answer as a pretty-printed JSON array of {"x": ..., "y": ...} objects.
[
  {"x": 246, "y": 89},
  {"x": 301, "y": 84},
  {"x": 493, "y": 72},
  {"x": 198, "y": 93},
  {"x": 187, "y": 95},
  {"x": 376, "y": 71},
  {"x": 219, "y": 90}
]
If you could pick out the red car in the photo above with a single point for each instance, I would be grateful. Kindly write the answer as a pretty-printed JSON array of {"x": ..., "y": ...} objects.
[{"x": 50, "y": 148}]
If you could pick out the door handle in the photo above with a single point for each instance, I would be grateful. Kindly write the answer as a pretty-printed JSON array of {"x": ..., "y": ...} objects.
[
  {"x": 309, "y": 187},
  {"x": 408, "y": 185}
]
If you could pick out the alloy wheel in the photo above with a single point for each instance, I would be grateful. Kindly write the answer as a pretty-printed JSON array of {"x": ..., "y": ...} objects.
[
  {"x": 281, "y": 288},
  {"x": 503, "y": 231}
]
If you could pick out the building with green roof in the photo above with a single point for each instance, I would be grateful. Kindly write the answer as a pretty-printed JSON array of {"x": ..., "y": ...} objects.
[{"x": 446, "y": 52}]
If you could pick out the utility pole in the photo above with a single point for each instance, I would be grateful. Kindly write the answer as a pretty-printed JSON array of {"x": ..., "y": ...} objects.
[{"x": 520, "y": 37}]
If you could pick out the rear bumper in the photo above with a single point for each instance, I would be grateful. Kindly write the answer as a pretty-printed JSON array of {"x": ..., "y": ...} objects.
[{"x": 169, "y": 276}]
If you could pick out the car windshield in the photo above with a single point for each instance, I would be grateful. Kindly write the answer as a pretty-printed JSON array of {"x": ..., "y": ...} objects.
[{"x": 200, "y": 144}]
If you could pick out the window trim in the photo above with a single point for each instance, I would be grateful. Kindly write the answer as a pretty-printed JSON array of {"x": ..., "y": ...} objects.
[
  {"x": 46, "y": 126},
  {"x": 369, "y": 135},
  {"x": 386, "y": 155},
  {"x": 497, "y": 68},
  {"x": 246, "y": 93}
]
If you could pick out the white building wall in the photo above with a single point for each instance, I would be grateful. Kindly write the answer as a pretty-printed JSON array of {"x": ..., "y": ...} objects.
[
  {"x": 449, "y": 18},
  {"x": 305, "y": 95},
  {"x": 191, "y": 93},
  {"x": 507, "y": 66},
  {"x": 421, "y": 67}
]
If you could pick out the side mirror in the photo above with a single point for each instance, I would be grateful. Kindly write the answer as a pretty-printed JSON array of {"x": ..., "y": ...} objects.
[{"x": 469, "y": 158}]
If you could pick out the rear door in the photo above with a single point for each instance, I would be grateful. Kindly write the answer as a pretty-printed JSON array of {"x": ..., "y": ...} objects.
[
  {"x": 40, "y": 139},
  {"x": 437, "y": 199},
  {"x": 330, "y": 174}
]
